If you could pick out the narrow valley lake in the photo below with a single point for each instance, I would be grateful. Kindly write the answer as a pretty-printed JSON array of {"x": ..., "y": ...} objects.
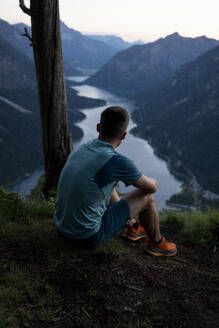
[{"x": 133, "y": 147}]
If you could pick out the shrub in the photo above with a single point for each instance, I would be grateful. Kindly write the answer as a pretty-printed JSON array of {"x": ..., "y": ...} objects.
[
  {"x": 194, "y": 227},
  {"x": 15, "y": 208},
  {"x": 173, "y": 220},
  {"x": 11, "y": 205}
]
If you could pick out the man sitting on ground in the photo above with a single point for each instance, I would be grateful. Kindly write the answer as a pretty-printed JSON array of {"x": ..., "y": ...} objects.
[{"x": 89, "y": 210}]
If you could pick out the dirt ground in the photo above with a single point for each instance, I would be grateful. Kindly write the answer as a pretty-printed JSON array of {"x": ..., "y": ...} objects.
[
  {"x": 119, "y": 285},
  {"x": 128, "y": 288}
]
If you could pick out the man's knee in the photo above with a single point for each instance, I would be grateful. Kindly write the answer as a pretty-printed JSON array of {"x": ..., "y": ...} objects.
[
  {"x": 149, "y": 200},
  {"x": 139, "y": 201}
]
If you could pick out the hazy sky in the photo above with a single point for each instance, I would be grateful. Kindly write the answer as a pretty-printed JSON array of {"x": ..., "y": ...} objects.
[{"x": 132, "y": 19}]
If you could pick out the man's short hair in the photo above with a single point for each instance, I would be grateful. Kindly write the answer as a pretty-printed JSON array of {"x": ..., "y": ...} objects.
[{"x": 113, "y": 122}]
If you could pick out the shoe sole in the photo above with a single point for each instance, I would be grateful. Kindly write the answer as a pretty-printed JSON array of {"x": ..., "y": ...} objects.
[
  {"x": 158, "y": 253},
  {"x": 137, "y": 237}
]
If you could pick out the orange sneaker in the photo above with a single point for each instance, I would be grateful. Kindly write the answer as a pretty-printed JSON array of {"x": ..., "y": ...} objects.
[
  {"x": 162, "y": 249},
  {"x": 135, "y": 234}
]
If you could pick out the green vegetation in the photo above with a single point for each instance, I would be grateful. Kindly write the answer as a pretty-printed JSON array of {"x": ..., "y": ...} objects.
[
  {"x": 198, "y": 199},
  {"x": 32, "y": 251},
  {"x": 185, "y": 197},
  {"x": 25, "y": 231},
  {"x": 46, "y": 282},
  {"x": 200, "y": 228}
]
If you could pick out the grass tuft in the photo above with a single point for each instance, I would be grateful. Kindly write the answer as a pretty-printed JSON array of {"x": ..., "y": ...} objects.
[{"x": 194, "y": 227}]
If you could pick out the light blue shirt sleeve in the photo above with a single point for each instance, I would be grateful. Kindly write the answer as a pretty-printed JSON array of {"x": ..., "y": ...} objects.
[{"x": 118, "y": 168}]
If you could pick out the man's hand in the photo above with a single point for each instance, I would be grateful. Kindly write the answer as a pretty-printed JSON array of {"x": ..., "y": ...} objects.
[{"x": 146, "y": 184}]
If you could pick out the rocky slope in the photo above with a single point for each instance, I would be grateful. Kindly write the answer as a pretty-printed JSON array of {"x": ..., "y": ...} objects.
[
  {"x": 143, "y": 68},
  {"x": 182, "y": 119}
]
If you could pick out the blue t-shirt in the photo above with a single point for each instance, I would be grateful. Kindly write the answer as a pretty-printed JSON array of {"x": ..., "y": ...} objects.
[{"x": 86, "y": 184}]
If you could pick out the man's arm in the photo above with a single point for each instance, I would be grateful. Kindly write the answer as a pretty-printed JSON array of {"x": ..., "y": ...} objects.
[{"x": 146, "y": 184}]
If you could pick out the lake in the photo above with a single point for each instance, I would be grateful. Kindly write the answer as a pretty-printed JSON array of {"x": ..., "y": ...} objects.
[{"x": 135, "y": 148}]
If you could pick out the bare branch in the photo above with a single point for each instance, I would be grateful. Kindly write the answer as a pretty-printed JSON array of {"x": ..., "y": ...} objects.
[
  {"x": 69, "y": 142},
  {"x": 26, "y": 34},
  {"x": 24, "y": 8}
]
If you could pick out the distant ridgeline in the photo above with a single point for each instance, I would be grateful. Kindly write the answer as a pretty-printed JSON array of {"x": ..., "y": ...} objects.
[
  {"x": 79, "y": 51},
  {"x": 182, "y": 119},
  {"x": 20, "y": 127},
  {"x": 143, "y": 68},
  {"x": 114, "y": 41}
]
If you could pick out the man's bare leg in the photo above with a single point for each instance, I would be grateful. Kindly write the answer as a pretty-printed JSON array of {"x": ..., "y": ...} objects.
[
  {"x": 149, "y": 219},
  {"x": 143, "y": 205}
]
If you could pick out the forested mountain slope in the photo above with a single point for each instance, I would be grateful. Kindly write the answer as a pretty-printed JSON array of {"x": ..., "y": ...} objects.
[
  {"x": 12, "y": 33},
  {"x": 20, "y": 127},
  {"x": 16, "y": 70},
  {"x": 182, "y": 119},
  {"x": 143, "y": 68}
]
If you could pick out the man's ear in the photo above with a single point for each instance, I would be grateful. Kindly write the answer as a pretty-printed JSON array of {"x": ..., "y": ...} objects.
[
  {"x": 98, "y": 127},
  {"x": 123, "y": 135}
]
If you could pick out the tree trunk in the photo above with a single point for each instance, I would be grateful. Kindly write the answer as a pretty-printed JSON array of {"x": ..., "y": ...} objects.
[{"x": 46, "y": 39}]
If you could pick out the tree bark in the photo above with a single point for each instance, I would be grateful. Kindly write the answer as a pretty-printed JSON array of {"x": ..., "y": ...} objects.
[{"x": 46, "y": 40}]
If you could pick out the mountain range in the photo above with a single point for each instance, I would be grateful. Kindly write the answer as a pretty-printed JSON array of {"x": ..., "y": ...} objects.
[
  {"x": 181, "y": 120},
  {"x": 143, "y": 68},
  {"x": 20, "y": 141},
  {"x": 12, "y": 33},
  {"x": 24, "y": 46},
  {"x": 174, "y": 81},
  {"x": 20, "y": 127},
  {"x": 79, "y": 51},
  {"x": 82, "y": 51},
  {"x": 114, "y": 41}
]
